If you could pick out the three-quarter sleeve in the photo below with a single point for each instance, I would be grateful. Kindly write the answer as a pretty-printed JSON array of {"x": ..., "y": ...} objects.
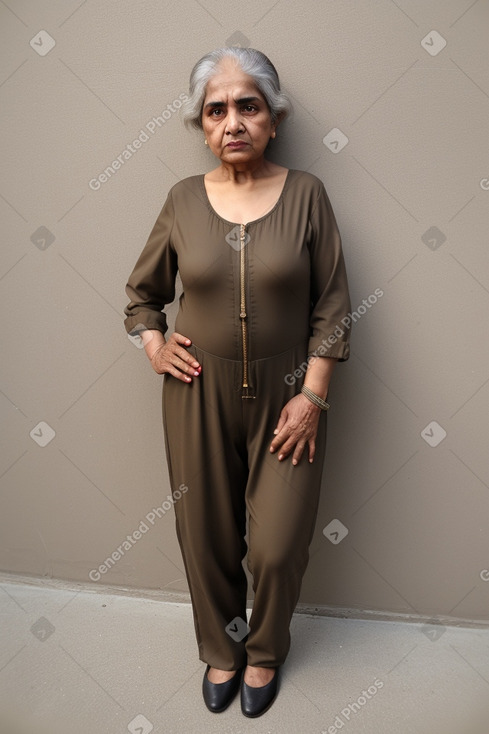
[
  {"x": 151, "y": 285},
  {"x": 330, "y": 299}
]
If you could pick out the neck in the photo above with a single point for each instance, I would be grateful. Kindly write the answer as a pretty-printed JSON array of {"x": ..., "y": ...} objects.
[{"x": 242, "y": 173}]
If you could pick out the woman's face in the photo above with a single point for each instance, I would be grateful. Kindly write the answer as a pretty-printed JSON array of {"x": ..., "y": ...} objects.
[{"x": 235, "y": 116}]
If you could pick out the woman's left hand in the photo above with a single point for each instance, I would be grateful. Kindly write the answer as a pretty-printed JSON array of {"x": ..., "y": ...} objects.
[{"x": 297, "y": 426}]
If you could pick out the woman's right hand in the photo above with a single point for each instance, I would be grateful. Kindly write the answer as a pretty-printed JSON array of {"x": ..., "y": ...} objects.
[{"x": 173, "y": 358}]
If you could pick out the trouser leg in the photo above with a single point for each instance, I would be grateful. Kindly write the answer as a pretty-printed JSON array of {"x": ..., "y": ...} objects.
[
  {"x": 282, "y": 501},
  {"x": 205, "y": 453}
]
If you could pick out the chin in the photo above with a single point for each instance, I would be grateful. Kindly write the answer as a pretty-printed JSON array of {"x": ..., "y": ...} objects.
[{"x": 243, "y": 155}]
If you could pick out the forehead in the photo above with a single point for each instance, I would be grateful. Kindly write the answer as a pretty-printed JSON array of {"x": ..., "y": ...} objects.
[{"x": 230, "y": 80}]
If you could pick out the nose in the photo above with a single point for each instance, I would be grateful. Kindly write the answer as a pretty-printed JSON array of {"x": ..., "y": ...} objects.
[{"x": 233, "y": 122}]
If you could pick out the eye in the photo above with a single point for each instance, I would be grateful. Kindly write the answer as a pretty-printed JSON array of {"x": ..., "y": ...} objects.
[
  {"x": 216, "y": 110},
  {"x": 249, "y": 108}
]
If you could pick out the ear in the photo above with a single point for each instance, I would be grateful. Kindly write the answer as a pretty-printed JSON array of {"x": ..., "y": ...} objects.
[{"x": 280, "y": 117}]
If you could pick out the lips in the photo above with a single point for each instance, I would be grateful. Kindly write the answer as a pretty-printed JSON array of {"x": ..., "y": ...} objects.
[{"x": 236, "y": 144}]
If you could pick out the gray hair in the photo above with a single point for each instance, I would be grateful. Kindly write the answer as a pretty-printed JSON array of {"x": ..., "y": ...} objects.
[{"x": 252, "y": 62}]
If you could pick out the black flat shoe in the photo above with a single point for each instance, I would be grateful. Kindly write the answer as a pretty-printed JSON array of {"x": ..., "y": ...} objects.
[
  {"x": 255, "y": 701},
  {"x": 218, "y": 696}
]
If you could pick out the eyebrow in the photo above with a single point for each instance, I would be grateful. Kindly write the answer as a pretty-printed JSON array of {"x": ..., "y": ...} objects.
[{"x": 243, "y": 100}]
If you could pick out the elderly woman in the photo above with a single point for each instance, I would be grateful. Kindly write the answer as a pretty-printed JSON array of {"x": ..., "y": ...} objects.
[{"x": 246, "y": 372}]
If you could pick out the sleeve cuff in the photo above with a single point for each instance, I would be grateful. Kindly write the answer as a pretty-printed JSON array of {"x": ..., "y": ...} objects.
[
  {"x": 330, "y": 346},
  {"x": 136, "y": 323}
]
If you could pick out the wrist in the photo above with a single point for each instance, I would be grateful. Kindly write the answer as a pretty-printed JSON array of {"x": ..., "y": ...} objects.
[
  {"x": 317, "y": 389},
  {"x": 314, "y": 398},
  {"x": 312, "y": 407},
  {"x": 153, "y": 352}
]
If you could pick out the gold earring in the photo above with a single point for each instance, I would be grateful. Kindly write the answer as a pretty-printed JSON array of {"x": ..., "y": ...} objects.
[
  {"x": 273, "y": 134},
  {"x": 205, "y": 142}
]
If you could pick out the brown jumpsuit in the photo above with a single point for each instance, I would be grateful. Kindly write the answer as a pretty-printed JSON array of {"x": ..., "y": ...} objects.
[{"x": 257, "y": 299}]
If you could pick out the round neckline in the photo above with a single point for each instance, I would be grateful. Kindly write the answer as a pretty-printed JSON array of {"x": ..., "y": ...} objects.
[{"x": 252, "y": 221}]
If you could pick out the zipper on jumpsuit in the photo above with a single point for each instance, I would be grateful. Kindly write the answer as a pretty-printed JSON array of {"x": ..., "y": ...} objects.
[{"x": 246, "y": 389}]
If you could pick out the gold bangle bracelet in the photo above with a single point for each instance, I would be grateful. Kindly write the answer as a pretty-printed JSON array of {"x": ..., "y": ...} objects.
[{"x": 315, "y": 398}]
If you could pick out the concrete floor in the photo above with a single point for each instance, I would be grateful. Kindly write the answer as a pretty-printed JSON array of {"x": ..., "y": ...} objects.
[{"x": 80, "y": 662}]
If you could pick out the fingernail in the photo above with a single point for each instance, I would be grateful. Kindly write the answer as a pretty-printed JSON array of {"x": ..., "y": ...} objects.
[
  {"x": 275, "y": 432},
  {"x": 294, "y": 462},
  {"x": 196, "y": 373},
  {"x": 280, "y": 457}
]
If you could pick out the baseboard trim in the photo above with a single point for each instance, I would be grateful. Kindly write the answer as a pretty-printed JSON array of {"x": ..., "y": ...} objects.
[{"x": 182, "y": 597}]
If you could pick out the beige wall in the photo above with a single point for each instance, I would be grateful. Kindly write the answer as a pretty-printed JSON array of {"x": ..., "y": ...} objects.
[{"x": 410, "y": 191}]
